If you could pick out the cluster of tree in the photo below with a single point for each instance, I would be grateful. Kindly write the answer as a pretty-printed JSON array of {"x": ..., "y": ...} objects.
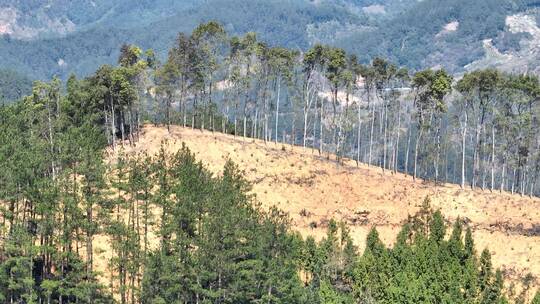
[
  {"x": 215, "y": 244},
  {"x": 423, "y": 266},
  {"x": 481, "y": 130},
  {"x": 51, "y": 157}
]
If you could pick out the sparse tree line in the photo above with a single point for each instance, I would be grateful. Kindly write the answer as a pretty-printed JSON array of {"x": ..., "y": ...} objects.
[
  {"x": 478, "y": 131},
  {"x": 175, "y": 233}
]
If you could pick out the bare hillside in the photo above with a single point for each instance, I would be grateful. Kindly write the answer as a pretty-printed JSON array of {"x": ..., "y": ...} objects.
[{"x": 313, "y": 190}]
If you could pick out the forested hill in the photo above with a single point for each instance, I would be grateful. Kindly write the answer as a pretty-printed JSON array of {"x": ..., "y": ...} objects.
[
  {"x": 61, "y": 37},
  {"x": 96, "y": 208}
]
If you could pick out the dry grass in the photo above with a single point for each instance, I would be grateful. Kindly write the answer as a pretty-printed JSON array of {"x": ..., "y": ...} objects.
[{"x": 313, "y": 190}]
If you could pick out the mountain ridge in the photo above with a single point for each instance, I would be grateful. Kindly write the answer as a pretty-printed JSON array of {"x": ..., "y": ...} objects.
[{"x": 410, "y": 33}]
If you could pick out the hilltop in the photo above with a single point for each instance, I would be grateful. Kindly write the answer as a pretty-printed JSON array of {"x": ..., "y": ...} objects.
[{"x": 314, "y": 189}]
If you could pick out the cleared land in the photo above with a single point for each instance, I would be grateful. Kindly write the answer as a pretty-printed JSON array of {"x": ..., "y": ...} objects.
[{"x": 313, "y": 190}]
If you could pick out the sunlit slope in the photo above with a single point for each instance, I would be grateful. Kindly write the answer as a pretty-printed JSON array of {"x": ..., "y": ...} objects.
[{"x": 313, "y": 190}]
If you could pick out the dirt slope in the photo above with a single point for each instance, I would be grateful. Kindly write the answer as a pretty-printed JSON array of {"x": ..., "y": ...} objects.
[{"x": 313, "y": 190}]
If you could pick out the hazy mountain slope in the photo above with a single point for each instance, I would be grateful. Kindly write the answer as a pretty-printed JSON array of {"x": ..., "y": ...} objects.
[
  {"x": 436, "y": 32},
  {"x": 35, "y": 19},
  {"x": 279, "y": 22},
  {"x": 81, "y": 53},
  {"x": 516, "y": 50},
  {"x": 77, "y": 36},
  {"x": 13, "y": 86}
]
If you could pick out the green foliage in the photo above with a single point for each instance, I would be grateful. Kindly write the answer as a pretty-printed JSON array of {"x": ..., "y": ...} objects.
[
  {"x": 426, "y": 268},
  {"x": 536, "y": 298},
  {"x": 47, "y": 140},
  {"x": 241, "y": 253}
]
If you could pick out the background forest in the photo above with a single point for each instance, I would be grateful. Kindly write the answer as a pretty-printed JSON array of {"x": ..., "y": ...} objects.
[
  {"x": 42, "y": 39},
  {"x": 182, "y": 235}
]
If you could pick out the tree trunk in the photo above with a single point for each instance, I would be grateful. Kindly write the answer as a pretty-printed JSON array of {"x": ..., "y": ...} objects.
[
  {"x": 51, "y": 140},
  {"x": 89, "y": 248},
  {"x": 277, "y": 108},
  {"x": 503, "y": 172},
  {"x": 408, "y": 152},
  {"x": 385, "y": 130},
  {"x": 358, "y": 136},
  {"x": 321, "y": 134},
  {"x": 475, "y": 157},
  {"x": 416, "y": 151},
  {"x": 396, "y": 149},
  {"x": 307, "y": 104},
  {"x": 122, "y": 129},
  {"x": 463, "y": 148},
  {"x": 168, "y": 114},
  {"x": 492, "y": 158},
  {"x": 107, "y": 126},
  {"x": 305, "y": 128},
  {"x": 438, "y": 156},
  {"x": 371, "y": 133}
]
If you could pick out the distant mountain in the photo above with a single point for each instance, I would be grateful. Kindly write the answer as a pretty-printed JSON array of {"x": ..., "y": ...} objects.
[
  {"x": 448, "y": 33},
  {"x": 34, "y": 19},
  {"x": 57, "y": 37},
  {"x": 279, "y": 22}
]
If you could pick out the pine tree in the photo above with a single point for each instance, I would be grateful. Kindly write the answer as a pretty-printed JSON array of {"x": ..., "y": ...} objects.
[{"x": 536, "y": 298}]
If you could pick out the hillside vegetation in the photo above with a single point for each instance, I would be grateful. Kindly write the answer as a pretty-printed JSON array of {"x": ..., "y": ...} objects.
[{"x": 314, "y": 190}]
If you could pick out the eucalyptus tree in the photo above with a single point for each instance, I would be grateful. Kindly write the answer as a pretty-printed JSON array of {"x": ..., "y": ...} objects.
[
  {"x": 260, "y": 125},
  {"x": 102, "y": 94},
  {"x": 209, "y": 41},
  {"x": 282, "y": 63},
  {"x": 313, "y": 64},
  {"x": 385, "y": 73},
  {"x": 166, "y": 77},
  {"x": 182, "y": 57},
  {"x": 368, "y": 74},
  {"x": 127, "y": 79},
  {"x": 479, "y": 88},
  {"x": 124, "y": 94},
  {"x": 401, "y": 80},
  {"x": 349, "y": 78},
  {"x": 235, "y": 77},
  {"x": 243, "y": 61},
  {"x": 249, "y": 46},
  {"x": 360, "y": 71},
  {"x": 461, "y": 106},
  {"x": 522, "y": 108},
  {"x": 336, "y": 64},
  {"x": 430, "y": 88}
]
